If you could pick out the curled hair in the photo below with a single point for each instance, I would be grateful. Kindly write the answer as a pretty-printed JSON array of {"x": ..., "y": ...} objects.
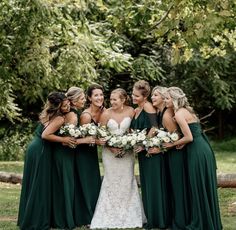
[
  {"x": 161, "y": 90},
  {"x": 179, "y": 99},
  {"x": 52, "y": 107},
  {"x": 73, "y": 93},
  {"x": 143, "y": 87},
  {"x": 122, "y": 94}
]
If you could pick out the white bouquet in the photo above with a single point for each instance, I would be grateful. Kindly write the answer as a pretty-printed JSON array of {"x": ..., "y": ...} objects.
[
  {"x": 89, "y": 129},
  {"x": 70, "y": 130}
]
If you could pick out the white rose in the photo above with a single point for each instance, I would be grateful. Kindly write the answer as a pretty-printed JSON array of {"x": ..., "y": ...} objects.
[
  {"x": 174, "y": 136},
  {"x": 71, "y": 126},
  {"x": 133, "y": 142},
  {"x": 124, "y": 141},
  {"x": 166, "y": 139},
  {"x": 72, "y": 132},
  {"x": 161, "y": 134}
]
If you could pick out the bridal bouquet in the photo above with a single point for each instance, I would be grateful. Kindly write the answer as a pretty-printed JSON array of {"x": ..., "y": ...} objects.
[{"x": 127, "y": 141}]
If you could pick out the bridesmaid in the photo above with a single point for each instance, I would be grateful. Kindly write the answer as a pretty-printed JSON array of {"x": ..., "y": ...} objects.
[
  {"x": 35, "y": 200},
  {"x": 87, "y": 165},
  {"x": 77, "y": 101},
  {"x": 152, "y": 169},
  {"x": 176, "y": 163},
  {"x": 62, "y": 174},
  {"x": 201, "y": 164}
]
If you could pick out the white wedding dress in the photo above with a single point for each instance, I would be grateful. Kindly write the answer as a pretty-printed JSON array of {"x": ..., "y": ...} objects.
[{"x": 119, "y": 204}]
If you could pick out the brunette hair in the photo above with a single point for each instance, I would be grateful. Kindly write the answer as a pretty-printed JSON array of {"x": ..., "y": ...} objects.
[{"x": 52, "y": 106}]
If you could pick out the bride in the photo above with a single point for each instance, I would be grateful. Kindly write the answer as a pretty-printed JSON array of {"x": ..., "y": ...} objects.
[{"x": 119, "y": 204}]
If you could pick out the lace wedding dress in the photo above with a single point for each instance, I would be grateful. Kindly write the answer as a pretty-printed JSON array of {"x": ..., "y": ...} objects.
[{"x": 119, "y": 204}]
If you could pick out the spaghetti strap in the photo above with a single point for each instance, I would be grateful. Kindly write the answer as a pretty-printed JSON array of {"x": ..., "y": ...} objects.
[{"x": 44, "y": 127}]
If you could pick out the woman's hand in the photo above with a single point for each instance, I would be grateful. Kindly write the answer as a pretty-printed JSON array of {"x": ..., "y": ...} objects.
[
  {"x": 154, "y": 150},
  {"x": 138, "y": 149},
  {"x": 86, "y": 140},
  {"x": 69, "y": 141},
  {"x": 101, "y": 141},
  {"x": 115, "y": 150},
  {"x": 168, "y": 145},
  {"x": 180, "y": 146}
]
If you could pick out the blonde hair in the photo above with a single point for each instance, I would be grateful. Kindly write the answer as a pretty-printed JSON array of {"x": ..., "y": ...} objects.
[
  {"x": 143, "y": 87},
  {"x": 161, "y": 90},
  {"x": 52, "y": 107},
  {"x": 122, "y": 94},
  {"x": 73, "y": 93},
  {"x": 179, "y": 99}
]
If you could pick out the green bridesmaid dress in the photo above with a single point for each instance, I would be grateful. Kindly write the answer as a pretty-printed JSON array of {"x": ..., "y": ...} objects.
[
  {"x": 177, "y": 183},
  {"x": 35, "y": 200},
  {"x": 153, "y": 181},
  {"x": 87, "y": 183},
  {"x": 63, "y": 188},
  {"x": 205, "y": 213}
]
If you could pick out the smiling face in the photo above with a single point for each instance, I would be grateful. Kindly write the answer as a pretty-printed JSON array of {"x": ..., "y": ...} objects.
[
  {"x": 80, "y": 101},
  {"x": 97, "y": 97},
  {"x": 157, "y": 99},
  {"x": 116, "y": 101},
  {"x": 137, "y": 97},
  {"x": 65, "y": 106}
]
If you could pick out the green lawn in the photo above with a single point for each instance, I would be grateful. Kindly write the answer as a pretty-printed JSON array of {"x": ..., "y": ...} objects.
[
  {"x": 9, "y": 201},
  {"x": 226, "y": 160}
]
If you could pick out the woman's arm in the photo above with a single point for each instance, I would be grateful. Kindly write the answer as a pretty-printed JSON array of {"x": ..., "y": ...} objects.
[
  {"x": 54, "y": 125},
  {"x": 186, "y": 132}
]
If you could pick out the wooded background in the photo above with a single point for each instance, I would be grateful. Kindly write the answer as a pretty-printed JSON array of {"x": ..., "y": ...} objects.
[{"x": 48, "y": 45}]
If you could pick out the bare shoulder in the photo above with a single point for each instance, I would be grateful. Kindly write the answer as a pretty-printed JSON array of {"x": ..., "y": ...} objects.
[
  {"x": 105, "y": 116},
  {"x": 149, "y": 108},
  {"x": 85, "y": 117},
  {"x": 71, "y": 117},
  {"x": 181, "y": 114},
  {"x": 58, "y": 120}
]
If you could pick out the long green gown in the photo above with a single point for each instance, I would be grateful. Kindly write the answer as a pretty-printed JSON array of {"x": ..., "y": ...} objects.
[
  {"x": 153, "y": 181},
  {"x": 177, "y": 184},
  {"x": 63, "y": 188},
  {"x": 205, "y": 213},
  {"x": 35, "y": 200},
  {"x": 87, "y": 183}
]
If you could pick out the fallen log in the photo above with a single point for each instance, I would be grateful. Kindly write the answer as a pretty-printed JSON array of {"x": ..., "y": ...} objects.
[{"x": 224, "y": 180}]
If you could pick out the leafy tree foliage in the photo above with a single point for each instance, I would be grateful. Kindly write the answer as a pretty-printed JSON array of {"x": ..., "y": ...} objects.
[{"x": 52, "y": 44}]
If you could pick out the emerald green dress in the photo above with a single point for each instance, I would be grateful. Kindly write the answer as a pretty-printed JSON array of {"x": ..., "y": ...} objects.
[
  {"x": 153, "y": 181},
  {"x": 177, "y": 183},
  {"x": 204, "y": 209},
  {"x": 35, "y": 200},
  {"x": 87, "y": 183},
  {"x": 63, "y": 186}
]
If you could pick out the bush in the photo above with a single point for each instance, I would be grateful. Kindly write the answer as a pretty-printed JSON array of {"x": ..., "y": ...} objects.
[{"x": 14, "y": 141}]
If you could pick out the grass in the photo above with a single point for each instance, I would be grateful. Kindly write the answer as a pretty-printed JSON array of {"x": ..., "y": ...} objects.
[
  {"x": 226, "y": 160},
  {"x": 9, "y": 201}
]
